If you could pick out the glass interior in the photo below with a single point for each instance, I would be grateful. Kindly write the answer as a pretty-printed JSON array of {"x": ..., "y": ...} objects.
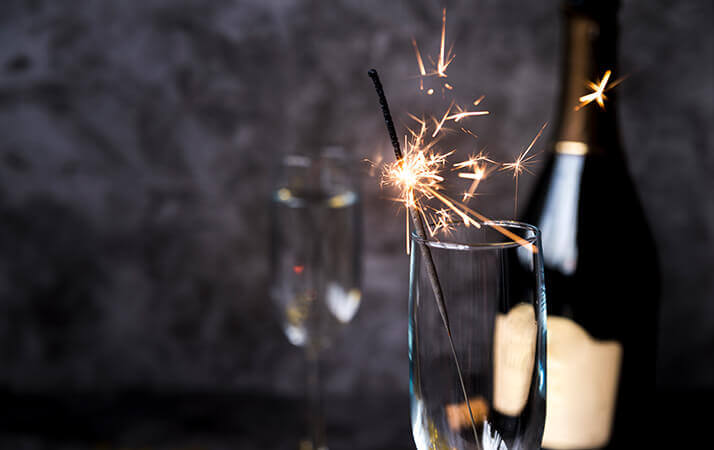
[
  {"x": 491, "y": 324},
  {"x": 316, "y": 245}
]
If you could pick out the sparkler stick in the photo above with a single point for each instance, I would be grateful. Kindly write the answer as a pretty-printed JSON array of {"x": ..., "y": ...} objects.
[{"x": 425, "y": 251}]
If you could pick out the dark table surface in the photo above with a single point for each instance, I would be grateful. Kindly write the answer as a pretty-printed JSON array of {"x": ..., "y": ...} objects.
[
  {"x": 139, "y": 420},
  {"x": 194, "y": 421}
]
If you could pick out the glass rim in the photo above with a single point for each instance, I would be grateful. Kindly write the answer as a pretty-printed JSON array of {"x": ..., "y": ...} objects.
[{"x": 452, "y": 244}]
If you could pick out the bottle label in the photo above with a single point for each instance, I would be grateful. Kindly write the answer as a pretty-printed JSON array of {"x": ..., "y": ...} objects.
[
  {"x": 582, "y": 380},
  {"x": 514, "y": 357}
]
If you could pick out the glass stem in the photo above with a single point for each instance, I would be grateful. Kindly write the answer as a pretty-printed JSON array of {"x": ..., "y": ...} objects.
[{"x": 315, "y": 405}]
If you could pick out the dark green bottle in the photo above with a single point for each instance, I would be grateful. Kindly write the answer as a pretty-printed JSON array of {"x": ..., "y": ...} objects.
[{"x": 601, "y": 272}]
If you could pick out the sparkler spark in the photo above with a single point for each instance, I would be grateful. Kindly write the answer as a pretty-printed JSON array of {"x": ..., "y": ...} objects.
[
  {"x": 445, "y": 58},
  {"x": 463, "y": 114},
  {"x": 598, "y": 91},
  {"x": 469, "y": 132},
  {"x": 455, "y": 117},
  {"x": 422, "y": 70},
  {"x": 522, "y": 164},
  {"x": 420, "y": 62},
  {"x": 443, "y": 222},
  {"x": 480, "y": 171},
  {"x": 474, "y": 160},
  {"x": 440, "y": 123}
]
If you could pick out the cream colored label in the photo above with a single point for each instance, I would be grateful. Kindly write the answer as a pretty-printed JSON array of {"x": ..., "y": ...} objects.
[
  {"x": 581, "y": 386},
  {"x": 514, "y": 356}
]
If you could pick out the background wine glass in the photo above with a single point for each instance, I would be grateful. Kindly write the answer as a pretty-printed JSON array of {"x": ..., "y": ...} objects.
[
  {"x": 315, "y": 259},
  {"x": 495, "y": 300}
]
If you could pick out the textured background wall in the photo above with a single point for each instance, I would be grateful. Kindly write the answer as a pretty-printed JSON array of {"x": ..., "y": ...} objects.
[{"x": 137, "y": 138}]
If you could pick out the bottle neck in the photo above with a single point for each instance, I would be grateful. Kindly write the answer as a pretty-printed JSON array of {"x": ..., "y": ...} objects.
[{"x": 590, "y": 51}]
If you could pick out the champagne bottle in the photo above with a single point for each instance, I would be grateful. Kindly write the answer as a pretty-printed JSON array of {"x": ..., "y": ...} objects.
[{"x": 601, "y": 271}]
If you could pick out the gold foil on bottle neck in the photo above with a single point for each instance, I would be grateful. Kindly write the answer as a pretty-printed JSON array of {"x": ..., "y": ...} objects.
[{"x": 571, "y": 148}]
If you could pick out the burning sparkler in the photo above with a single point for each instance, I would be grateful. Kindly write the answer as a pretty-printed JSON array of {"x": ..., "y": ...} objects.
[
  {"x": 417, "y": 174},
  {"x": 419, "y": 225}
]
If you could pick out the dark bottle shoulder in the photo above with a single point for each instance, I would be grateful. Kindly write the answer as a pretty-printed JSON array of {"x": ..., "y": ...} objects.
[
  {"x": 591, "y": 218},
  {"x": 600, "y": 184}
]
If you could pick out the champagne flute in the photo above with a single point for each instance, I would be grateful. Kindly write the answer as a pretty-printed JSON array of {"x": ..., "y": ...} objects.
[
  {"x": 491, "y": 279},
  {"x": 315, "y": 260}
]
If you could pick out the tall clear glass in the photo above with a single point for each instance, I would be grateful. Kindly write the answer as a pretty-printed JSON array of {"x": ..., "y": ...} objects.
[
  {"x": 315, "y": 260},
  {"x": 491, "y": 282}
]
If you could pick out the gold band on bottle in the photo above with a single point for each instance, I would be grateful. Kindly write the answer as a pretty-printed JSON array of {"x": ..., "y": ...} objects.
[{"x": 571, "y": 147}]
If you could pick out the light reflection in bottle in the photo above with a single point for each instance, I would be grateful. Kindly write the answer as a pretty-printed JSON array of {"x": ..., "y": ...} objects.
[{"x": 559, "y": 228}]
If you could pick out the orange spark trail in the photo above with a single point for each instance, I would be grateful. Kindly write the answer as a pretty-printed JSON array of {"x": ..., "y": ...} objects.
[
  {"x": 443, "y": 119},
  {"x": 441, "y": 67},
  {"x": 422, "y": 70}
]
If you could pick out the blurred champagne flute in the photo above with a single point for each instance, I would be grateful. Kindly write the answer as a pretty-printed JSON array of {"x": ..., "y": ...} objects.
[{"x": 315, "y": 261}]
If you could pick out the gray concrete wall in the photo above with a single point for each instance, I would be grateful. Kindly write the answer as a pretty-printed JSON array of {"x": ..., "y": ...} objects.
[{"x": 137, "y": 138}]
